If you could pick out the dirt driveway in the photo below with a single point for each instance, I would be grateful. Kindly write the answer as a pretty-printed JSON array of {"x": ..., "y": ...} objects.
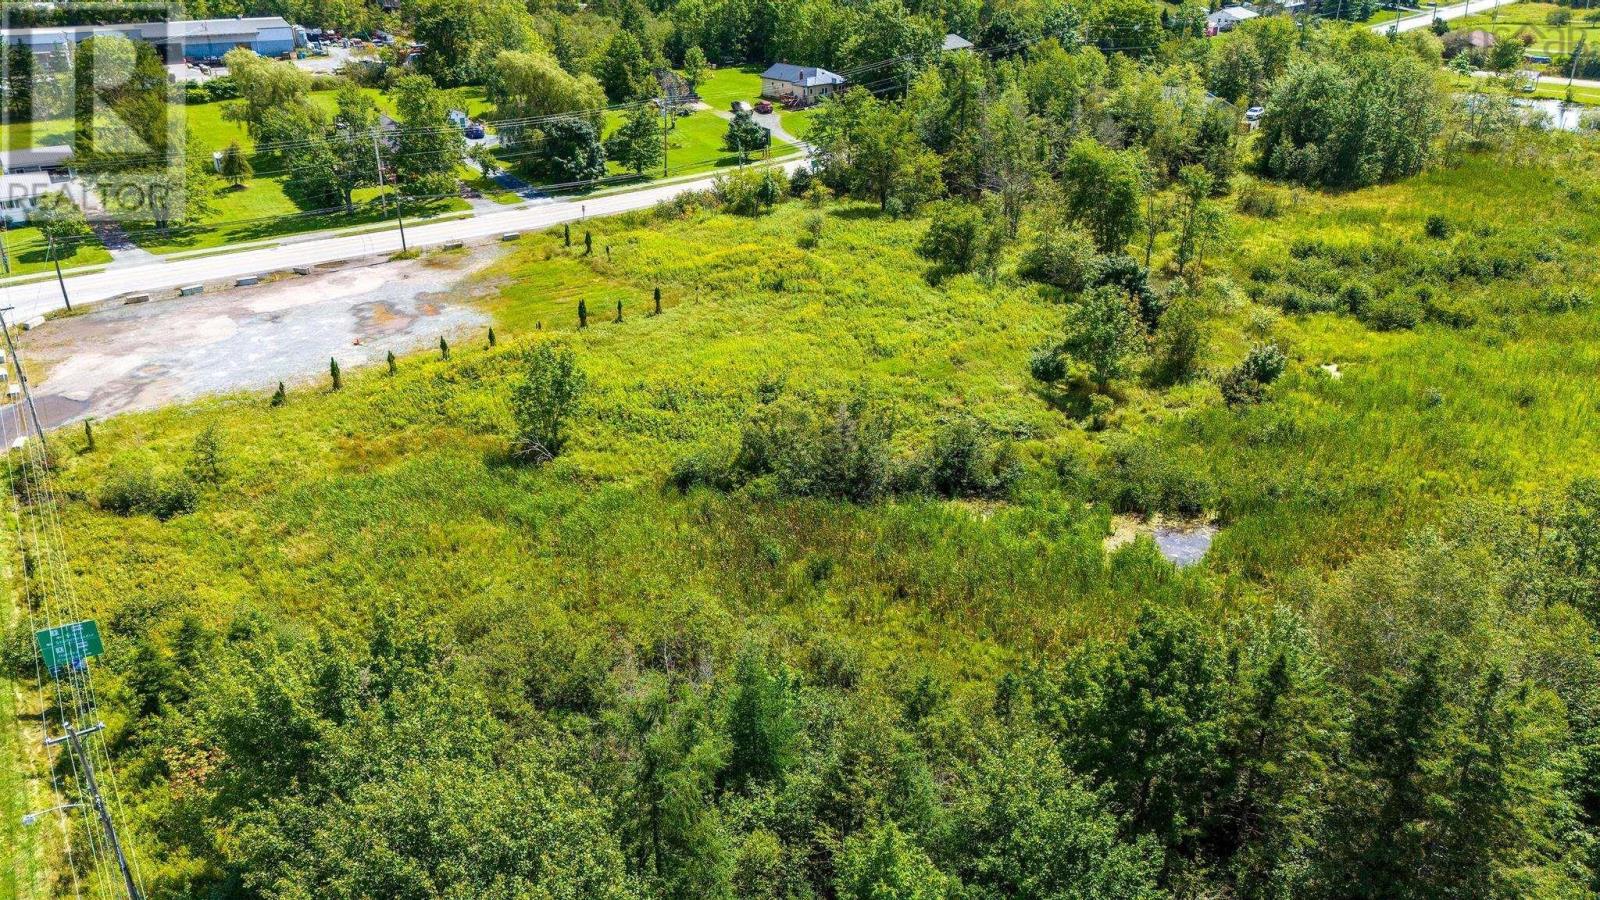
[{"x": 137, "y": 357}]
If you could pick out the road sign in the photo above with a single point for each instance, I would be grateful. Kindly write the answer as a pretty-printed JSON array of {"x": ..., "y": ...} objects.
[{"x": 66, "y": 645}]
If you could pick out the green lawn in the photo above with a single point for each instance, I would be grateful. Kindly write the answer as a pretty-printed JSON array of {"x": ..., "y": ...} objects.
[
  {"x": 29, "y": 252},
  {"x": 1510, "y": 21},
  {"x": 719, "y": 88}
]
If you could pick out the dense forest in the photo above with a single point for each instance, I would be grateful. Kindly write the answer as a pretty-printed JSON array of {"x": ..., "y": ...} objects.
[{"x": 791, "y": 576}]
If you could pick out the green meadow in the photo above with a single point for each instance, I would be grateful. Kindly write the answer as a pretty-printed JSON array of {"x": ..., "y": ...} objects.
[{"x": 397, "y": 495}]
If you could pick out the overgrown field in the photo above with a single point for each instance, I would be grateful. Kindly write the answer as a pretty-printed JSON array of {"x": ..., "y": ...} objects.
[{"x": 369, "y": 614}]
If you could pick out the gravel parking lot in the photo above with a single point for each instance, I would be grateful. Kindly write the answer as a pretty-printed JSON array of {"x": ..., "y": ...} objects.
[{"x": 137, "y": 357}]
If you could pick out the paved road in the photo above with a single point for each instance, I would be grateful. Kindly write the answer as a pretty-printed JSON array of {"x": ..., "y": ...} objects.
[
  {"x": 1425, "y": 18},
  {"x": 39, "y": 297}
]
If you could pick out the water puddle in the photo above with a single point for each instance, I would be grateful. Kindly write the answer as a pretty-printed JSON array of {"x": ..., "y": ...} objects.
[{"x": 1181, "y": 542}]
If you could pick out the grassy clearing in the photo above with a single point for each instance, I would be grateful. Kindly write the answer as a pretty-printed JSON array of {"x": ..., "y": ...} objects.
[{"x": 1507, "y": 22}]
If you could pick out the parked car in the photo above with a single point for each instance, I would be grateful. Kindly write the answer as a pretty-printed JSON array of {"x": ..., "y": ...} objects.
[
  {"x": 763, "y": 107},
  {"x": 739, "y": 106},
  {"x": 1254, "y": 114},
  {"x": 475, "y": 130}
]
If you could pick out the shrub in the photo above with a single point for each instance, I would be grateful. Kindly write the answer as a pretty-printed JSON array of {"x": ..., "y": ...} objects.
[
  {"x": 1438, "y": 227},
  {"x": 746, "y": 192},
  {"x": 958, "y": 237},
  {"x": 1180, "y": 342},
  {"x": 1260, "y": 200},
  {"x": 800, "y": 182},
  {"x": 1394, "y": 311},
  {"x": 543, "y": 400},
  {"x": 205, "y": 465},
  {"x": 963, "y": 461},
  {"x": 1047, "y": 364},
  {"x": 1247, "y": 382},
  {"x": 130, "y": 492},
  {"x": 1103, "y": 333},
  {"x": 1143, "y": 478},
  {"x": 1355, "y": 296},
  {"x": 825, "y": 449},
  {"x": 1559, "y": 17},
  {"x": 1064, "y": 257}
]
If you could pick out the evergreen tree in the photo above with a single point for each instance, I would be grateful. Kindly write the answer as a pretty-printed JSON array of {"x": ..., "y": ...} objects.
[
  {"x": 444, "y": 349},
  {"x": 624, "y": 71},
  {"x": 393, "y": 367},
  {"x": 333, "y": 373},
  {"x": 235, "y": 167},
  {"x": 761, "y": 726},
  {"x": 637, "y": 143}
]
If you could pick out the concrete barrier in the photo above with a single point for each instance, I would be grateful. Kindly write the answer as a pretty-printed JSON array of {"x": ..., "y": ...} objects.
[
  {"x": 189, "y": 290},
  {"x": 248, "y": 281},
  {"x": 510, "y": 235},
  {"x": 131, "y": 299},
  {"x": 302, "y": 270},
  {"x": 453, "y": 245},
  {"x": 31, "y": 324}
]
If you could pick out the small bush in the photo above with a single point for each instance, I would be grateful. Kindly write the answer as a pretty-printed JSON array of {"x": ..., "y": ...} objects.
[
  {"x": 1047, "y": 364},
  {"x": 1559, "y": 17},
  {"x": 1142, "y": 478},
  {"x": 1180, "y": 342},
  {"x": 1394, "y": 311},
  {"x": 1064, "y": 257},
  {"x": 131, "y": 492},
  {"x": 1438, "y": 227},
  {"x": 1260, "y": 200},
  {"x": 1247, "y": 382},
  {"x": 963, "y": 461},
  {"x": 1355, "y": 296},
  {"x": 543, "y": 400},
  {"x": 959, "y": 237}
]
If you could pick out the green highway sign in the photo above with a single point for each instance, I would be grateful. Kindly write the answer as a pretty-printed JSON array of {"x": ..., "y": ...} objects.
[{"x": 65, "y": 645}]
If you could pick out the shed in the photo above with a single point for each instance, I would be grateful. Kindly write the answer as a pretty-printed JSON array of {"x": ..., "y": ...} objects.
[{"x": 955, "y": 42}]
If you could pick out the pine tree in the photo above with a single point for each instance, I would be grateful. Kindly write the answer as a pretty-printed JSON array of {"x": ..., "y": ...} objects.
[
  {"x": 393, "y": 368},
  {"x": 658, "y": 301},
  {"x": 618, "y": 320},
  {"x": 583, "y": 314},
  {"x": 88, "y": 436},
  {"x": 588, "y": 244},
  {"x": 491, "y": 337},
  {"x": 444, "y": 349},
  {"x": 280, "y": 396},
  {"x": 566, "y": 233}
]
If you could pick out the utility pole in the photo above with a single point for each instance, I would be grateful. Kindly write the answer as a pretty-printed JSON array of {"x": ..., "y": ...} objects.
[
  {"x": 22, "y": 382},
  {"x": 378, "y": 159},
  {"x": 666, "y": 119},
  {"x": 5, "y": 256},
  {"x": 73, "y": 738},
  {"x": 1572, "y": 72},
  {"x": 59, "y": 280}
]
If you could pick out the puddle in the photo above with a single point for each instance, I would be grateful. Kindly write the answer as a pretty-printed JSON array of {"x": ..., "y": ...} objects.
[
  {"x": 1184, "y": 545},
  {"x": 1181, "y": 542}
]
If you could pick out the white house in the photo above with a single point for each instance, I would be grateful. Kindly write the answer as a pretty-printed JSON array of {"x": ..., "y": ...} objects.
[
  {"x": 1227, "y": 18},
  {"x": 808, "y": 83},
  {"x": 19, "y": 194}
]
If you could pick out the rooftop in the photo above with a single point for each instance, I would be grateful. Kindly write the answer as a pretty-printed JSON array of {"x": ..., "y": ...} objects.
[{"x": 805, "y": 76}]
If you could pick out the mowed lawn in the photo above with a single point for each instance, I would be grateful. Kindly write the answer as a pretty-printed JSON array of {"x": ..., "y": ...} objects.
[{"x": 27, "y": 252}]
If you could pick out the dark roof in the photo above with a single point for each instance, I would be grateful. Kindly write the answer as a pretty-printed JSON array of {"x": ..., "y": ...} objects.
[
  {"x": 805, "y": 76},
  {"x": 956, "y": 42}
]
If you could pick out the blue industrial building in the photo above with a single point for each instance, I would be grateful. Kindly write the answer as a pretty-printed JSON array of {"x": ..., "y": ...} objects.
[{"x": 177, "y": 41}]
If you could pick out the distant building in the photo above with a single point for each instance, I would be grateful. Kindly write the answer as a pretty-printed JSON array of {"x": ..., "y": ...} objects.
[
  {"x": 955, "y": 42},
  {"x": 807, "y": 84},
  {"x": 1227, "y": 18},
  {"x": 176, "y": 41}
]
